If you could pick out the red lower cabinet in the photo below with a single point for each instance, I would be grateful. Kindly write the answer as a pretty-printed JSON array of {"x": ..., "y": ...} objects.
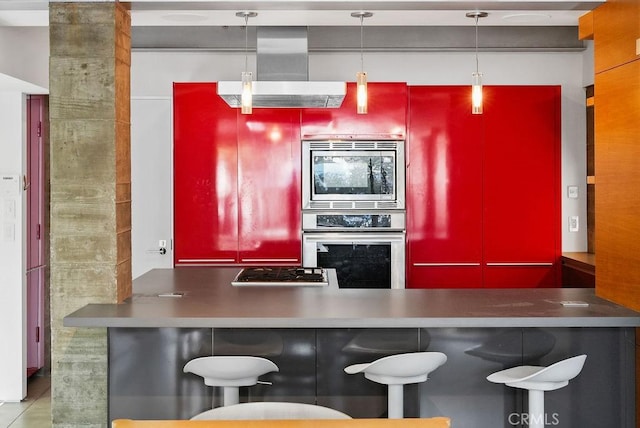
[
  {"x": 483, "y": 191},
  {"x": 205, "y": 177},
  {"x": 269, "y": 192},
  {"x": 444, "y": 189}
]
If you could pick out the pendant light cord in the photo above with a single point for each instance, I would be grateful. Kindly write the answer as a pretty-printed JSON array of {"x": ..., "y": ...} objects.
[
  {"x": 477, "y": 67},
  {"x": 361, "y": 42},
  {"x": 246, "y": 41}
]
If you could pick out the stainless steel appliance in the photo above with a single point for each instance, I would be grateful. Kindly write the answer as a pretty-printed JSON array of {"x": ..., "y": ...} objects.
[
  {"x": 290, "y": 276},
  {"x": 366, "y": 249},
  {"x": 347, "y": 175}
]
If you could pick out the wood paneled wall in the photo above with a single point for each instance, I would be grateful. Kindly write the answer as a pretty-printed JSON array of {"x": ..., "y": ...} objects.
[
  {"x": 616, "y": 26},
  {"x": 615, "y": 29}
]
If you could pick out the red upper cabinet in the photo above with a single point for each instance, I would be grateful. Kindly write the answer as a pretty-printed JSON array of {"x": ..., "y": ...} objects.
[
  {"x": 205, "y": 176},
  {"x": 269, "y": 187},
  {"x": 522, "y": 238},
  {"x": 386, "y": 117},
  {"x": 444, "y": 189}
]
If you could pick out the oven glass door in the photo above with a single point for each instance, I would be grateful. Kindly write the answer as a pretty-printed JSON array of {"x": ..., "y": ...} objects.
[
  {"x": 361, "y": 265},
  {"x": 361, "y": 260},
  {"x": 353, "y": 175}
]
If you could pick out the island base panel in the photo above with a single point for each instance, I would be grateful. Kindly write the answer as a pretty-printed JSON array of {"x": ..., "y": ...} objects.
[{"x": 146, "y": 380}]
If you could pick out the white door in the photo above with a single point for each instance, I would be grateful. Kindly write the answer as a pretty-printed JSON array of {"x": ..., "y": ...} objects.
[{"x": 151, "y": 184}]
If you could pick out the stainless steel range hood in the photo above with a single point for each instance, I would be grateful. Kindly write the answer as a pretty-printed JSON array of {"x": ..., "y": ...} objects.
[{"x": 283, "y": 74}]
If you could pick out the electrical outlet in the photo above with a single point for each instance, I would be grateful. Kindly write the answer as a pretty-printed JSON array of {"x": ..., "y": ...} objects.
[
  {"x": 572, "y": 192},
  {"x": 574, "y": 224},
  {"x": 9, "y": 209},
  {"x": 9, "y": 232}
]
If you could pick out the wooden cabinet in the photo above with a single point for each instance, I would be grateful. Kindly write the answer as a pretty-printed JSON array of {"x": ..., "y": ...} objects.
[
  {"x": 617, "y": 156},
  {"x": 578, "y": 270},
  {"x": 387, "y": 115},
  {"x": 444, "y": 189},
  {"x": 205, "y": 177},
  {"x": 616, "y": 26},
  {"x": 269, "y": 191},
  {"x": 236, "y": 182},
  {"x": 483, "y": 192},
  {"x": 521, "y": 216}
]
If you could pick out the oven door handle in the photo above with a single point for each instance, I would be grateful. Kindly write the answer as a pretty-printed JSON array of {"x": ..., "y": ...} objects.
[{"x": 346, "y": 237}]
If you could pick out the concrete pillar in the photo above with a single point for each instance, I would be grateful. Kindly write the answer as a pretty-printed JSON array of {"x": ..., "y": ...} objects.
[{"x": 89, "y": 86}]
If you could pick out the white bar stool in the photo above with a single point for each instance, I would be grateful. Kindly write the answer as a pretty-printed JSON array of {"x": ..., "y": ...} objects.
[
  {"x": 230, "y": 372},
  {"x": 537, "y": 380},
  {"x": 397, "y": 371},
  {"x": 271, "y": 410}
]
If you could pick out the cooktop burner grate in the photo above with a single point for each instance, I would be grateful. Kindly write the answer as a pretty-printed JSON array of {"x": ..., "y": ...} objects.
[{"x": 284, "y": 275}]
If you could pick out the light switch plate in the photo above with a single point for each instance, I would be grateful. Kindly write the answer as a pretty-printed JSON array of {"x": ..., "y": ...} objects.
[
  {"x": 8, "y": 232},
  {"x": 9, "y": 185},
  {"x": 574, "y": 225},
  {"x": 572, "y": 192}
]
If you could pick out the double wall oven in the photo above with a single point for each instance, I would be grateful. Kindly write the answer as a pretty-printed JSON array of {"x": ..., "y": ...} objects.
[{"x": 353, "y": 218}]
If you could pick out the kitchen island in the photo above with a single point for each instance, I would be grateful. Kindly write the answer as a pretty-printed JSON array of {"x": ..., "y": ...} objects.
[{"x": 312, "y": 333}]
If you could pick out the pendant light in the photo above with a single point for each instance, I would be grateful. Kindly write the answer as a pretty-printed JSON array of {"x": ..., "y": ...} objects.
[
  {"x": 246, "y": 97},
  {"x": 361, "y": 76},
  {"x": 476, "y": 78}
]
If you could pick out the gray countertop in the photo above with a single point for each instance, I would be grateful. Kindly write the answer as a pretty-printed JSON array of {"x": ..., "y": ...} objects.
[{"x": 210, "y": 301}]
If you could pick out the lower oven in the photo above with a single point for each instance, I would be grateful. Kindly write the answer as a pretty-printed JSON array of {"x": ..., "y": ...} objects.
[{"x": 366, "y": 250}]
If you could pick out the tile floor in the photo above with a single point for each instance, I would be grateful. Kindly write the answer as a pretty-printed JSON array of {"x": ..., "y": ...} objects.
[{"x": 32, "y": 412}]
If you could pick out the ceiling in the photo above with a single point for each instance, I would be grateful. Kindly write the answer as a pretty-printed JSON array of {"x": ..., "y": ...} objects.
[
  {"x": 323, "y": 12},
  {"x": 395, "y": 25}
]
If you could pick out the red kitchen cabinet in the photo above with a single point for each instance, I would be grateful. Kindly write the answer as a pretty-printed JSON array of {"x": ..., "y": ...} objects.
[
  {"x": 205, "y": 177},
  {"x": 444, "y": 189},
  {"x": 236, "y": 182},
  {"x": 483, "y": 191},
  {"x": 269, "y": 192},
  {"x": 522, "y": 238},
  {"x": 386, "y": 117}
]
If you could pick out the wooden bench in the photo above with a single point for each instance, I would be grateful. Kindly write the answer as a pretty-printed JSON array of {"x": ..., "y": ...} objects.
[{"x": 439, "y": 422}]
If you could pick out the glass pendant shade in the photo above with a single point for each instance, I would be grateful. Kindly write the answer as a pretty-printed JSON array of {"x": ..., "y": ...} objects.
[
  {"x": 361, "y": 85},
  {"x": 246, "y": 97},
  {"x": 476, "y": 93}
]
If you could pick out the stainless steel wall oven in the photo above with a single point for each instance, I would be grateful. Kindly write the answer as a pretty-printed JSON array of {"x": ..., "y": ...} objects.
[
  {"x": 366, "y": 249},
  {"x": 353, "y": 175},
  {"x": 353, "y": 219}
]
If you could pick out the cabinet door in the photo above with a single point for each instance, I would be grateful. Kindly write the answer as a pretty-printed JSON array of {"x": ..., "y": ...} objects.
[
  {"x": 386, "y": 117},
  {"x": 521, "y": 186},
  {"x": 444, "y": 189},
  {"x": 617, "y": 156},
  {"x": 616, "y": 27},
  {"x": 269, "y": 156},
  {"x": 205, "y": 175}
]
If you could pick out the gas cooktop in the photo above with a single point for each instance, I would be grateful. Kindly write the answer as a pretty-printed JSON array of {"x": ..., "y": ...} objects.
[{"x": 282, "y": 275}]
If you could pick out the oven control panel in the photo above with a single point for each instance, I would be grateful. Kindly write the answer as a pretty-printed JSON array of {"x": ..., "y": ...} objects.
[{"x": 332, "y": 221}]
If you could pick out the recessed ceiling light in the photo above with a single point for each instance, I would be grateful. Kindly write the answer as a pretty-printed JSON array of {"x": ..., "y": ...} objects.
[
  {"x": 527, "y": 18},
  {"x": 184, "y": 17}
]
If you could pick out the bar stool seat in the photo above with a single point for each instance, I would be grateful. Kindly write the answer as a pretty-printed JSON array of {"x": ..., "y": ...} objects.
[
  {"x": 271, "y": 410},
  {"x": 230, "y": 373},
  {"x": 536, "y": 380},
  {"x": 398, "y": 370}
]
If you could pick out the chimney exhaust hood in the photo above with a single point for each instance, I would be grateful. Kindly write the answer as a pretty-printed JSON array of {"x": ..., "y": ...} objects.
[{"x": 283, "y": 74}]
